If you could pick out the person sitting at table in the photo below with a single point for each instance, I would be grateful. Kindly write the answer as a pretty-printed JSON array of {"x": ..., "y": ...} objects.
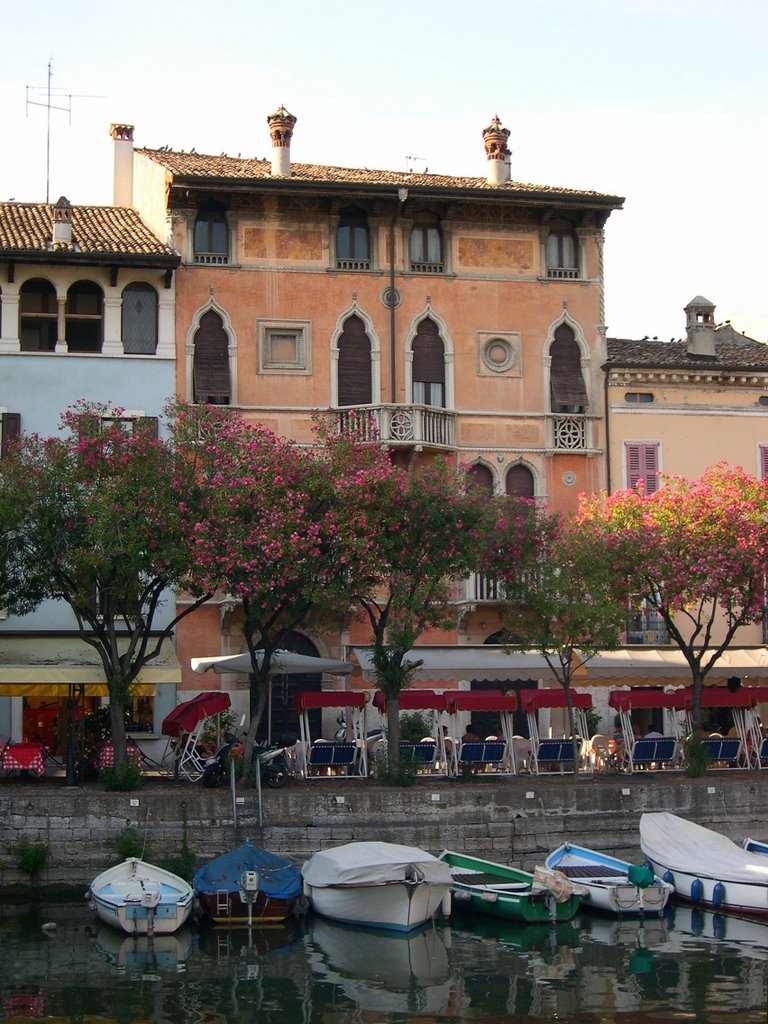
[{"x": 470, "y": 736}]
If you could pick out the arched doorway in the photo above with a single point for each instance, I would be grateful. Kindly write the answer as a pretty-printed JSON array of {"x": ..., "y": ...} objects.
[{"x": 280, "y": 709}]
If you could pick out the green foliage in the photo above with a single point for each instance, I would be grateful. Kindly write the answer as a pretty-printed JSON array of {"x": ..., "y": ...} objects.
[
  {"x": 402, "y": 774},
  {"x": 696, "y": 757},
  {"x": 184, "y": 863},
  {"x": 414, "y": 726},
  {"x": 593, "y": 721},
  {"x": 122, "y": 778},
  {"x": 31, "y": 857},
  {"x": 128, "y": 843}
]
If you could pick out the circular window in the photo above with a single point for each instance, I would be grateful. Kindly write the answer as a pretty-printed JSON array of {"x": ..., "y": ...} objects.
[
  {"x": 390, "y": 298},
  {"x": 498, "y": 354},
  {"x": 569, "y": 478}
]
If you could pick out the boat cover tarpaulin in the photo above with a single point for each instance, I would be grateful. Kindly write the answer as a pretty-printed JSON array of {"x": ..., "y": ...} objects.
[
  {"x": 682, "y": 845},
  {"x": 532, "y": 700},
  {"x": 186, "y": 716},
  {"x": 277, "y": 877},
  {"x": 357, "y": 864}
]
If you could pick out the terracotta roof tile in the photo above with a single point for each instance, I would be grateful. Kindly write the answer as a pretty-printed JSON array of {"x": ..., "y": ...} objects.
[
  {"x": 732, "y": 351},
  {"x": 199, "y": 165},
  {"x": 96, "y": 231}
]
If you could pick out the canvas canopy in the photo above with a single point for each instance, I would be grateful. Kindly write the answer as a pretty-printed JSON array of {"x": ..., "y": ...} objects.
[
  {"x": 413, "y": 700},
  {"x": 533, "y": 700},
  {"x": 650, "y": 665},
  {"x": 480, "y": 700},
  {"x": 186, "y": 716},
  {"x": 284, "y": 663},
  {"x": 625, "y": 700},
  {"x": 357, "y": 864},
  {"x": 463, "y": 661},
  {"x": 305, "y": 699},
  {"x": 682, "y": 845}
]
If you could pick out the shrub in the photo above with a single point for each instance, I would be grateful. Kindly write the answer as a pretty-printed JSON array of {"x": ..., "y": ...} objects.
[
  {"x": 403, "y": 775},
  {"x": 128, "y": 843},
  {"x": 31, "y": 857},
  {"x": 123, "y": 778},
  {"x": 414, "y": 726},
  {"x": 184, "y": 862},
  {"x": 696, "y": 757}
]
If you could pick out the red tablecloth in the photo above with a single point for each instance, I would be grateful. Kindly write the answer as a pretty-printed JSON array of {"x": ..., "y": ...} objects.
[
  {"x": 105, "y": 756},
  {"x": 24, "y": 757}
]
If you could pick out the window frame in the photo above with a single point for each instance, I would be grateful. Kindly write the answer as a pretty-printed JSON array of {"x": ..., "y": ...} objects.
[
  {"x": 354, "y": 222},
  {"x": 78, "y": 321},
  {"x": 136, "y": 286},
  {"x": 301, "y": 330},
  {"x": 645, "y": 472},
  {"x": 426, "y": 225},
  {"x": 45, "y": 321},
  {"x": 557, "y": 264},
  {"x": 208, "y": 216}
]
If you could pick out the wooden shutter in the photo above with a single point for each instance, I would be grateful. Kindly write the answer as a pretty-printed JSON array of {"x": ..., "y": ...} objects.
[
  {"x": 428, "y": 354},
  {"x": 643, "y": 464},
  {"x": 11, "y": 428},
  {"x": 211, "y": 359},
  {"x": 354, "y": 372},
  {"x": 520, "y": 482},
  {"x": 481, "y": 479},
  {"x": 567, "y": 383}
]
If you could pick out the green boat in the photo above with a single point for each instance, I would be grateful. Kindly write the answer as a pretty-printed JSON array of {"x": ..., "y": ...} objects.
[{"x": 498, "y": 890}]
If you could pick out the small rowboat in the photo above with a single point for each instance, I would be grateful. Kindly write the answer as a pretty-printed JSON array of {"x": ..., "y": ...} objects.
[
  {"x": 498, "y": 890},
  {"x": 613, "y": 885},
  {"x": 140, "y": 898}
]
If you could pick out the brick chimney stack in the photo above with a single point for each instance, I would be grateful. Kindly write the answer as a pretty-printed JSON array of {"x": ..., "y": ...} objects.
[
  {"x": 281, "y": 131},
  {"x": 62, "y": 222},
  {"x": 497, "y": 151},
  {"x": 122, "y": 136}
]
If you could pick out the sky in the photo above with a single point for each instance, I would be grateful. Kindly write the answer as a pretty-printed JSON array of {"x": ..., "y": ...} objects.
[{"x": 662, "y": 102}]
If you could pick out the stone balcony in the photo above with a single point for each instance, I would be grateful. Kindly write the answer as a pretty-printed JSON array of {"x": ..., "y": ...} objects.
[{"x": 402, "y": 426}]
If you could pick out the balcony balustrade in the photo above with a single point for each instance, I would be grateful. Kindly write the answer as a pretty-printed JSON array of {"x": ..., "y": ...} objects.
[{"x": 401, "y": 425}]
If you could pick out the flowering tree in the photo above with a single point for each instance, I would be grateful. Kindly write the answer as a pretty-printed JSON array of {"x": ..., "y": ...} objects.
[
  {"x": 90, "y": 517},
  {"x": 283, "y": 531},
  {"x": 563, "y": 600},
  {"x": 427, "y": 530},
  {"x": 695, "y": 551}
]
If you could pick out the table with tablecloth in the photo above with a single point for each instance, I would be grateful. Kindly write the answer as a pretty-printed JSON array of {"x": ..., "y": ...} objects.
[
  {"x": 25, "y": 757},
  {"x": 105, "y": 755}
]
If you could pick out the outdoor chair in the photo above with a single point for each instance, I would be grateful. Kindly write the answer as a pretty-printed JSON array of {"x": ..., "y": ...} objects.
[
  {"x": 553, "y": 756},
  {"x": 327, "y": 760},
  {"x": 724, "y": 752},
  {"x": 653, "y": 753},
  {"x": 483, "y": 754}
]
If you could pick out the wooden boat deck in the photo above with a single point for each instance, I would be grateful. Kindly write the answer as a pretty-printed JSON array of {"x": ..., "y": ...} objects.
[
  {"x": 484, "y": 880},
  {"x": 589, "y": 871}
]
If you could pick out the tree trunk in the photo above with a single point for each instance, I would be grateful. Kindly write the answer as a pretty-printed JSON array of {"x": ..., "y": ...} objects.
[
  {"x": 261, "y": 684},
  {"x": 393, "y": 732},
  {"x": 117, "y": 729}
]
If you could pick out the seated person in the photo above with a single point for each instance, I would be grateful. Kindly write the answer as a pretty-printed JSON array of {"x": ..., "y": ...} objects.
[
  {"x": 652, "y": 734},
  {"x": 470, "y": 736}
]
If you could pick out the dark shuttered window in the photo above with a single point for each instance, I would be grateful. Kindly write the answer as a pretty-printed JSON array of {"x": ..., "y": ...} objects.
[
  {"x": 355, "y": 387},
  {"x": 212, "y": 384},
  {"x": 520, "y": 482},
  {"x": 643, "y": 466},
  {"x": 428, "y": 365},
  {"x": 481, "y": 479},
  {"x": 11, "y": 428},
  {"x": 569, "y": 393}
]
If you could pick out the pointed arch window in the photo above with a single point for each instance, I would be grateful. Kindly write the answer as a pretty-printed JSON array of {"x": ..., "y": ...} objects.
[
  {"x": 568, "y": 392},
  {"x": 353, "y": 249},
  {"x": 210, "y": 368},
  {"x": 38, "y": 309},
  {"x": 520, "y": 483},
  {"x": 139, "y": 319},
  {"x": 428, "y": 365},
  {"x": 211, "y": 234},
  {"x": 84, "y": 317},
  {"x": 480, "y": 479},
  {"x": 354, "y": 369}
]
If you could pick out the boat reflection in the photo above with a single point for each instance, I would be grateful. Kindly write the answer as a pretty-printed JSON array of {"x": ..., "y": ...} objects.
[
  {"x": 224, "y": 943},
  {"x": 692, "y": 921},
  {"x": 609, "y": 930},
  {"x": 144, "y": 953},
  {"x": 382, "y": 971},
  {"x": 519, "y": 935}
]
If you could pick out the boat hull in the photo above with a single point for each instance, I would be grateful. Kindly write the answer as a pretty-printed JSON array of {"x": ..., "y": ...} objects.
[
  {"x": 228, "y": 908},
  {"x": 277, "y": 892},
  {"x": 501, "y": 891},
  {"x": 606, "y": 878},
  {"x": 118, "y": 896},
  {"x": 396, "y": 906},
  {"x": 734, "y": 898}
]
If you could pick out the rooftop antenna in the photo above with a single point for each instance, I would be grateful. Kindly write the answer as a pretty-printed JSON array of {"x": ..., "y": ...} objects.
[
  {"x": 410, "y": 160},
  {"x": 43, "y": 96}
]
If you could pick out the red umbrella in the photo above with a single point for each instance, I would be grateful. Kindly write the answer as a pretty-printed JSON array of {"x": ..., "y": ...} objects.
[{"x": 186, "y": 716}]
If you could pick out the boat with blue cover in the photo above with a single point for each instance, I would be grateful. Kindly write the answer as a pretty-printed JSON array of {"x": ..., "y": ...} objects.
[{"x": 249, "y": 885}]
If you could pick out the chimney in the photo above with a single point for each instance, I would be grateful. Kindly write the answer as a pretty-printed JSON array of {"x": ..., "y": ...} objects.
[
  {"x": 281, "y": 130},
  {"x": 62, "y": 222},
  {"x": 122, "y": 136},
  {"x": 700, "y": 327},
  {"x": 497, "y": 151}
]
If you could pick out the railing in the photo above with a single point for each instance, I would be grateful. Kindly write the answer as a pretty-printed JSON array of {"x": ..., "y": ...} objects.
[
  {"x": 479, "y": 587},
  {"x": 427, "y": 268},
  {"x": 563, "y": 273},
  {"x": 400, "y": 424},
  {"x": 349, "y": 264},
  {"x": 212, "y": 258},
  {"x": 569, "y": 431}
]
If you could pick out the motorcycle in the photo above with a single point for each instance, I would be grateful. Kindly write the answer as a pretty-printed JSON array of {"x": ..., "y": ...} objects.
[
  {"x": 216, "y": 766},
  {"x": 272, "y": 761}
]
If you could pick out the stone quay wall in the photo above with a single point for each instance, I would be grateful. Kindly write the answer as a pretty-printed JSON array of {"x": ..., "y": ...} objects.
[{"x": 517, "y": 820}]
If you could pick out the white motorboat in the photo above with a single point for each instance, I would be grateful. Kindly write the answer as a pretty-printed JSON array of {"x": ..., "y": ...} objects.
[
  {"x": 379, "y": 885},
  {"x": 705, "y": 867},
  {"x": 140, "y": 898},
  {"x": 613, "y": 885}
]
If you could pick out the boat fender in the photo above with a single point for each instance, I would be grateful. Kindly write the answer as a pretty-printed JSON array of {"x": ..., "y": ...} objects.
[
  {"x": 445, "y": 906},
  {"x": 718, "y": 895},
  {"x": 697, "y": 890},
  {"x": 462, "y": 896},
  {"x": 307, "y": 890},
  {"x": 490, "y": 897},
  {"x": 668, "y": 877}
]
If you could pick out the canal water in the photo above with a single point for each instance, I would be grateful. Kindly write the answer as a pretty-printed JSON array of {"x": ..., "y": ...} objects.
[{"x": 58, "y": 964}]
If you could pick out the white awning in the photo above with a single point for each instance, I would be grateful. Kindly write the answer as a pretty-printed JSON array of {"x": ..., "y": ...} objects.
[
  {"x": 656, "y": 663},
  {"x": 463, "y": 661},
  {"x": 284, "y": 663}
]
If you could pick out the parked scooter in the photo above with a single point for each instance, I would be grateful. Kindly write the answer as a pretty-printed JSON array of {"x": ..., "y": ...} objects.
[
  {"x": 272, "y": 762},
  {"x": 216, "y": 767}
]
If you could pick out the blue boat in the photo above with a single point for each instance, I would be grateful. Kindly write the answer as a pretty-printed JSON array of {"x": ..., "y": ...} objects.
[{"x": 249, "y": 885}]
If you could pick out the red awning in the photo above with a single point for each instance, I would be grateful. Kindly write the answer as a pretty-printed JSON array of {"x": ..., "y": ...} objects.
[
  {"x": 328, "y": 699},
  {"x": 186, "y": 716},
  {"x": 480, "y": 700},
  {"x": 625, "y": 700},
  {"x": 413, "y": 700},
  {"x": 682, "y": 698},
  {"x": 532, "y": 700}
]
